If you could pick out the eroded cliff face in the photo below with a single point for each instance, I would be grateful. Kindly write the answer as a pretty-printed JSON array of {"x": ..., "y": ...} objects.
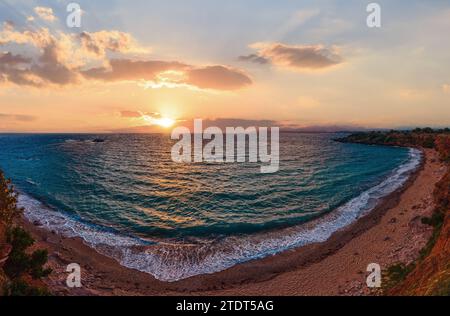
[{"x": 431, "y": 276}]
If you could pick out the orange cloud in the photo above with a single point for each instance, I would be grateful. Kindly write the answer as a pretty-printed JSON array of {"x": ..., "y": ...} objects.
[
  {"x": 45, "y": 14},
  {"x": 100, "y": 42},
  {"x": 130, "y": 114},
  {"x": 210, "y": 77}
]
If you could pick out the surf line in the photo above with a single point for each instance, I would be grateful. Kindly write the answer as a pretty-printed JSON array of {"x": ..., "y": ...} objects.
[{"x": 236, "y": 146}]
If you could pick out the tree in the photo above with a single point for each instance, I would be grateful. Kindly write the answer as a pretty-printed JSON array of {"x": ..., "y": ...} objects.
[
  {"x": 20, "y": 264},
  {"x": 8, "y": 201}
]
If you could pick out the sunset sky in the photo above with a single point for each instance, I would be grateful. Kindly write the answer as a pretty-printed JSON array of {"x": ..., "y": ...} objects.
[{"x": 141, "y": 65}]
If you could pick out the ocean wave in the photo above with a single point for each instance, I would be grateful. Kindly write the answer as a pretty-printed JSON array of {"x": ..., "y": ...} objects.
[{"x": 171, "y": 260}]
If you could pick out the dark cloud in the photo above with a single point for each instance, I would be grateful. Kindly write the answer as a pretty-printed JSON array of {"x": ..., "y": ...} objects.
[
  {"x": 51, "y": 69},
  {"x": 12, "y": 69},
  {"x": 254, "y": 58},
  {"x": 17, "y": 117},
  {"x": 48, "y": 68},
  {"x": 218, "y": 78},
  {"x": 10, "y": 59},
  {"x": 307, "y": 57},
  {"x": 235, "y": 122}
]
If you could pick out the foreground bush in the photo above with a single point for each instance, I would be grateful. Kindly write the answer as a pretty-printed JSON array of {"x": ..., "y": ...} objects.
[
  {"x": 8, "y": 201},
  {"x": 21, "y": 268},
  {"x": 19, "y": 262}
]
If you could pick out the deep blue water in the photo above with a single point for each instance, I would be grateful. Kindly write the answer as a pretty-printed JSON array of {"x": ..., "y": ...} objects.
[{"x": 129, "y": 185}]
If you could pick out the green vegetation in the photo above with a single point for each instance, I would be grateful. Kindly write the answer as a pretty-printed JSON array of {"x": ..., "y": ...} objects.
[
  {"x": 425, "y": 138},
  {"x": 437, "y": 221},
  {"x": 19, "y": 262},
  {"x": 21, "y": 268},
  {"x": 22, "y": 288},
  {"x": 396, "y": 274},
  {"x": 8, "y": 201}
]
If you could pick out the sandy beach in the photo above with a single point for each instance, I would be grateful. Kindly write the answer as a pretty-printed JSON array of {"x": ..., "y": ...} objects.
[{"x": 391, "y": 233}]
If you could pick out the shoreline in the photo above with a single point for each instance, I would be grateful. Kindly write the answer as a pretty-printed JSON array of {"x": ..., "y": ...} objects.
[{"x": 102, "y": 275}]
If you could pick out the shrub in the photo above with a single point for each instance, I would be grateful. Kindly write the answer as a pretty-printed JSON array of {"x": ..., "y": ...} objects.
[
  {"x": 8, "y": 201},
  {"x": 21, "y": 288},
  {"x": 19, "y": 262},
  {"x": 396, "y": 274}
]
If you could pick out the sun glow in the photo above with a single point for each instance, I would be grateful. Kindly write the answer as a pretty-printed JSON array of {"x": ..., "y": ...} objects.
[
  {"x": 165, "y": 122},
  {"x": 159, "y": 121}
]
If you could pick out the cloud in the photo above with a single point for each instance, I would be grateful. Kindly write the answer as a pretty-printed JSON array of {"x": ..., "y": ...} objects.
[
  {"x": 52, "y": 66},
  {"x": 45, "y": 14},
  {"x": 209, "y": 77},
  {"x": 254, "y": 58},
  {"x": 139, "y": 114},
  {"x": 446, "y": 88},
  {"x": 11, "y": 69},
  {"x": 296, "y": 57},
  {"x": 126, "y": 69},
  {"x": 10, "y": 59},
  {"x": 223, "y": 123},
  {"x": 100, "y": 42},
  {"x": 218, "y": 78},
  {"x": 67, "y": 59},
  {"x": 17, "y": 117},
  {"x": 130, "y": 114}
]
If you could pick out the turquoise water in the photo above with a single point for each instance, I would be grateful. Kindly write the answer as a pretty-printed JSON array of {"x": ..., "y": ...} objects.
[{"x": 127, "y": 199}]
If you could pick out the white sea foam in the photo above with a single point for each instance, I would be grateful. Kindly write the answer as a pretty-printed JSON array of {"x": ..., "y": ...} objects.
[{"x": 175, "y": 261}]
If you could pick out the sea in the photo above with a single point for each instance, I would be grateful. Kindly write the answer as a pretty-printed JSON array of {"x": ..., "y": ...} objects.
[{"x": 125, "y": 197}]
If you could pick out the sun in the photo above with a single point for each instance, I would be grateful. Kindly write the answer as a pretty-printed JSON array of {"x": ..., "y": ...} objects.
[
  {"x": 165, "y": 122},
  {"x": 161, "y": 121}
]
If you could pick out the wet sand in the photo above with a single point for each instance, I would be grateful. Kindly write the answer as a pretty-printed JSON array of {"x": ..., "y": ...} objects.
[{"x": 391, "y": 233}]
